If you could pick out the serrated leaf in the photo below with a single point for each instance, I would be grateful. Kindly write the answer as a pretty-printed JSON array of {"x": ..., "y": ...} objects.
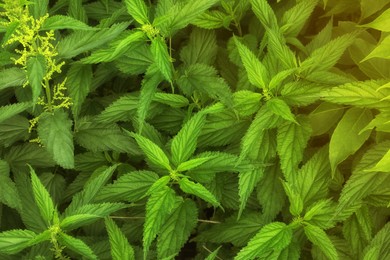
[
  {"x": 280, "y": 108},
  {"x": 120, "y": 247},
  {"x": 320, "y": 213},
  {"x": 76, "y": 245},
  {"x": 162, "y": 58},
  {"x": 246, "y": 102},
  {"x": 158, "y": 208},
  {"x": 42, "y": 197},
  {"x": 36, "y": 71},
  {"x": 12, "y": 110},
  {"x": 296, "y": 201},
  {"x": 54, "y": 130},
  {"x": 257, "y": 72},
  {"x": 89, "y": 213},
  {"x": 121, "y": 109},
  {"x": 193, "y": 163},
  {"x": 59, "y": 22},
  {"x": 78, "y": 84},
  {"x": 159, "y": 184},
  {"x": 184, "y": 143},
  {"x": 14, "y": 241},
  {"x": 152, "y": 151},
  {"x": 296, "y": 17},
  {"x": 246, "y": 184},
  {"x": 274, "y": 236},
  {"x": 324, "y": 117},
  {"x": 173, "y": 100},
  {"x": 381, "y": 22},
  {"x": 379, "y": 244},
  {"x": 129, "y": 187},
  {"x": 198, "y": 190},
  {"x": 292, "y": 139},
  {"x": 138, "y": 10},
  {"x": 8, "y": 191},
  {"x": 383, "y": 165},
  {"x": 346, "y": 138},
  {"x": 202, "y": 47},
  {"x": 382, "y": 50},
  {"x": 361, "y": 93},
  {"x": 177, "y": 229},
  {"x": 319, "y": 238},
  {"x": 12, "y": 77},
  {"x": 212, "y": 19}
]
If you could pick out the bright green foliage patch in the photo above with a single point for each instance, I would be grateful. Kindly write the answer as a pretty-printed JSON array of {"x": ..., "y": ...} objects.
[{"x": 207, "y": 129}]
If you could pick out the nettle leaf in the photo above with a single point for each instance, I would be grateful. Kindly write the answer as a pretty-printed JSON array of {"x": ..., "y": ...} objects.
[
  {"x": 138, "y": 10},
  {"x": 14, "y": 241},
  {"x": 180, "y": 15},
  {"x": 12, "y": 110},
  {"x": 368, "y": 94},
  {"x": 88, "y": 214},
  {"x": 158, "y": 208},
  {"x": 324, "y": 117},
  {"x": 159, "y": 184},
  {"x": 264, "y": 119},
  {"x": 212, "y": 19},
  {"x": 246, "y": 184},
  {"x": 129, "y": 187},
  {"x": 295, "y": 18},
  {"x": 184, "y": 143},
  {"x": 54, "y": 130},
  {"x": 246, "y": 102},
  {"x": 59, "y": 22},
  {"x": 121, "y": 109},
  {"x": 322, "y": 38},
  {"x": 292, "y": 139},
  {"x": 319, "y": 238},
  {"x": 346, "y": 138},
  {"x": 42, "y": 197},
  {"x": 274, "y": 236},
  {"x": 381, "y": 23},
  {"x": 76, "y": 245},
  {"x": 36, "y": 70},
  {"x": 81, "y": 41},
  {"x": 77, "y": 10},
  {"x": 177, "y": 229},
  {"x": 327, "y": 56},
  {"x": 120, "y": 247},
  {"x": 382, "y": 50},
  {"x": 296, "y": 201},
  {"x": 152, "y": 151},
  {"x": 194, "y": 163},
  {"x": 280, "y": 108},
  {"x": 384, "y": 164},
  {"x": 149, "y": 87},
  {"x": 78, "y": 84},
  {"x": 379, "y": 245},
  {"x": 12, "y": 77},
  {"x": 202, "y": 47},
  {"x": 173, "y": 100},
  {"x": 198, "y": 190},
  {"x": 257, "y": 72},
  {"x": 320, "y": 213},
  {"x": 162, "y": 58},
  {"x": 9, "y": 193}
]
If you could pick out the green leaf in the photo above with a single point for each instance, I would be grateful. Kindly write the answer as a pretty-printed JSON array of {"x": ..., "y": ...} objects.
[
  {"x": 257, "y": 72},
  {"x": 246, "y": 184},
  {"x": 8, "y": 191},
  {"x": 162, "y": 58},
  {"x": 246, "y": 102},
  {"x": 129, "y": 187},
  {"x": 149, "y": 87},
  {"x": 12, "y": 77},
  {"x": 138, "y": 10},
  {"x": 198, "y": 190},
  {"x": 36, "y": 71},
  {"x": 346, "y": 138},
  {"x": 42, "y": 197},
  {"x": 12, "y": 110},
  {"x": 212, "y": 19},
  {"x": 81, "y": 41},
  {"x": 78, "y": 84},
  {"x": 381, "y": 22},
  {"x": 54, "y": 130},
  {"x": 378, "y": 245},
  {"x": 14, "y": 241},
  {"x": 383, "y": 165},
  {"x": 177, "y": 229},
  {"x": 296, "y": 201},
  {"x": 360, "y": 93},
  {"x": 76, "y": 245},
  {"x": 213, "y": 255},
  {"x": 324, "y": 117},
  {"x": 120, "y": 247},
  {"x": 280, "y": 108},
  {"x": 173, "y": 100},
  {"x": 158, "y": 208},
  {"x": 193, "y": 163},
  {"x": 319, "y": 238},
  {"x": 382, "y": 50},
  {"x": 327, "y": 56},
  {"x": 60, "y": 22},
  {"x": 120, "y": 110},
  {"x": 89, "y": 213},
  {"x": 296, "y": 17},
  {"x": 292, "y": 139},
  {"x": 185, "y": 142},
  {"x": 152, "y": 151},
  {"x": 202, "y": 48},
  {"x": 180, "y": 15},
  {"x": 320, "y": 213},
  {"x": 274, "y": 236}
]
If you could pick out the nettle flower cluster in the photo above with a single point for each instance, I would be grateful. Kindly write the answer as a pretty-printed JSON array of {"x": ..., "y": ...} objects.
[{"x": 32, "y": 42}]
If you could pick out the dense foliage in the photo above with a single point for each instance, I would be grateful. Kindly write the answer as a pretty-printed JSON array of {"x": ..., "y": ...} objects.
[{"x": 207, "y": 129}]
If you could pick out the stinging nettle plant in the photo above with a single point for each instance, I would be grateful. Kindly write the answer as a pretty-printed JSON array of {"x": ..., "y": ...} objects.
[{"x": 209, "y": 129}]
